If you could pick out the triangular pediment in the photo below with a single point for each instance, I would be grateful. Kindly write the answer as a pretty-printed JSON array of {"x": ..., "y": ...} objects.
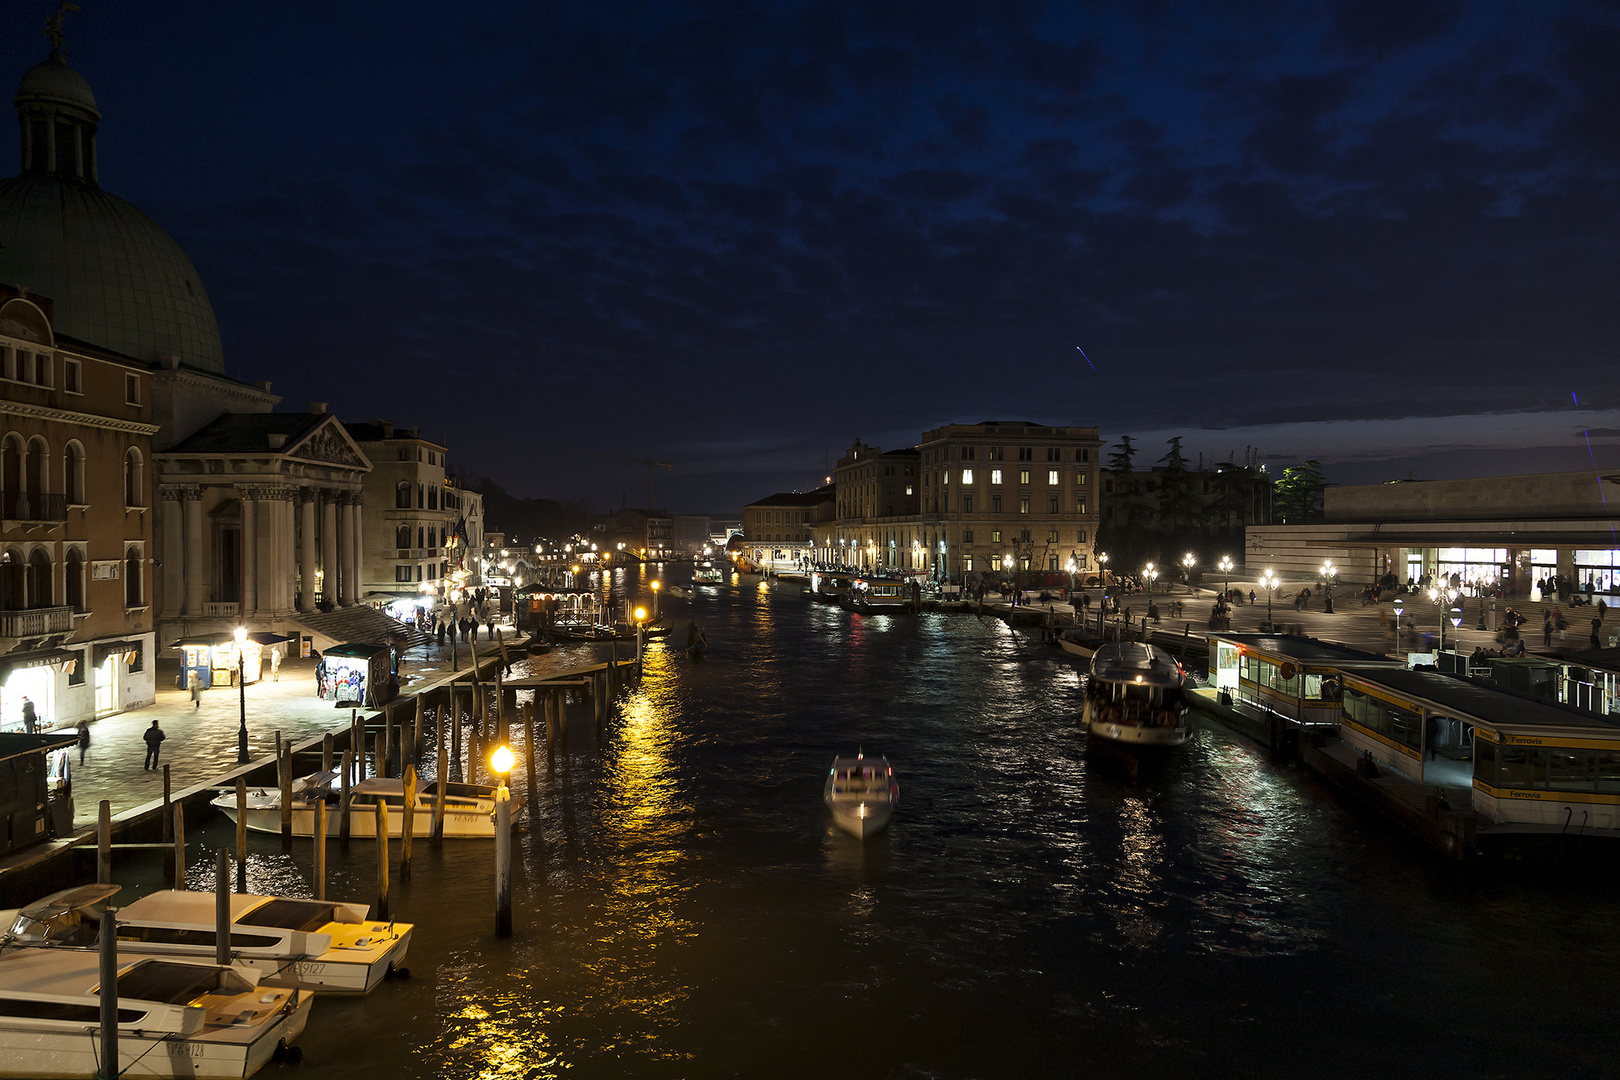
[{"x": 330, "y": 444}]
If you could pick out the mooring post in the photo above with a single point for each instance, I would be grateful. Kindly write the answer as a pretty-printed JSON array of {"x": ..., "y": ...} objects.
[
  {"x": 528, "y": 752},
  {"x": 385, "y": 766},
  {"x": 503, "y": 860},
  {"x": 443, "y": 781},
  {"x": 407, "y": 824},
  {"x": 241, "y": 834},
  {"x": 104, "y": 843},
  {"x": 168, "y": 807},
  {"x": 454, "y": 771},
  {"x": 222, "y": 907},
  {"x": 320, "y": 849},
  {"x": 416, "y": 731},
  {"x": 382, "y": 857},
  {"x": 109, "y": 992},
  {"x": 180, "y": 847},
  {"x": 327, "y": 743},
  {"x": 284, "y": 767},
  {"x": 379, "y": 751},
  {"x": 343, "y": 798},
  {"x": 475, "y": 747}
]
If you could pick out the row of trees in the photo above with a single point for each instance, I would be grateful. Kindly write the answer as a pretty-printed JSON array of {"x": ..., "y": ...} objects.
[{"x": 1159, "y": 513}]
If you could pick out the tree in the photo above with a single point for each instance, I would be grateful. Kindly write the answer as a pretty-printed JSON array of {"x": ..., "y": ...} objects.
[
  {"x": 1175, "y": 499},
  {"x": 1120, "y": 460},
  {"x": 1299, "y": 493}
]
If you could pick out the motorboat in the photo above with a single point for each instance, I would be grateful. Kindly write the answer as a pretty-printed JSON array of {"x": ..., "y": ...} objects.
[
  {"x": 176, "y": 1017},
  {"x": 1134, "y": 697},
  {"x": 317, "y": 945},
  {"x": 1079, "y": 642},
  {"x": 679, "y": 592},
  {"x": 879, "y": 596},
  {"x": 831, "y": 586},
  {"x": 469, "y": 809},
  {"x": 708, "y": 574},
  {"x": 861, "y": 792}
]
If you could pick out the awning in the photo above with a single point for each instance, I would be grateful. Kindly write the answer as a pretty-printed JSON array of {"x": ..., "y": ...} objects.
[
  {"x": 356, "y": 651},
  {"x": 38, "y": 658},
  {"x": 214, "y": 641},
  {"x": 103, "y": 649}
]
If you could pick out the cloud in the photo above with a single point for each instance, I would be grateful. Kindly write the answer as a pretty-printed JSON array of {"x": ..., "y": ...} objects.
[{"x": 1380, "y": 28}]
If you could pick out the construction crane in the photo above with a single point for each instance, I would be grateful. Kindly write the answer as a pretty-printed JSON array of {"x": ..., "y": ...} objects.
[{"x": 651, "y": 464}]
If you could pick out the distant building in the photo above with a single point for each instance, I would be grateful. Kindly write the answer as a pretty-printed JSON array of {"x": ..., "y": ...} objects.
[
  {"x": 406, "y": 532},
  {"x": 778, "y": 531},
  {"x": 464, "y": 517},
  {"x": 1512, "y": 531}
]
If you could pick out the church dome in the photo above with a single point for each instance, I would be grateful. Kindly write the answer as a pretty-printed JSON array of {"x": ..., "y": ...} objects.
[{"x": 115, "y": 278}]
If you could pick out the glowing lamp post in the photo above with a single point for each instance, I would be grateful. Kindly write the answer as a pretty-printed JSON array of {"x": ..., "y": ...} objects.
[
  {"x": 1480, "y": 580},
  {"x": 1329, "y": 572},
  {"x": 655, "y": 587},
  {"x": 1442, "y": 597},
  {"x": 1150, "y": 574},
  {"x": 641, "y": 617},
  {"x": 1269, "y": 582},
  {"x": 500, "y": 763},
  {"x": 1188, "y": 561},
  {"x": 1226, "y": 570},
  {"x": 241, "y": 690}
]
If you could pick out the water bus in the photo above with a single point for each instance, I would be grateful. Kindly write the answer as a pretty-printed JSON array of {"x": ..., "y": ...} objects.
[{"x": 1134, "y": 697}]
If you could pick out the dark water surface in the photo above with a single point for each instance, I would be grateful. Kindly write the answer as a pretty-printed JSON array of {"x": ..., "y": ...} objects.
[{"x": 686, "y": 908}]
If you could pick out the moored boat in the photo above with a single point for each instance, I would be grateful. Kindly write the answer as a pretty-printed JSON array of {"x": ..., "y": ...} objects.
[
  {"x": 1080, "y": 643},
  {"x": 317, "y": 945},
  {"x": 1134, "y": 697},
  {"x": 175, "y": 1017},
  {"x": 879, "y": 596},
  {"x": 469, "y": 809},
  {"x": 831, "y": 586},
  {"x": 861, "y": 792},
  {"x": 708, "y": 574}
]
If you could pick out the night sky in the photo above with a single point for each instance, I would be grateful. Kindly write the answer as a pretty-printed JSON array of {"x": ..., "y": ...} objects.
[{"x": 736, "y": 237}]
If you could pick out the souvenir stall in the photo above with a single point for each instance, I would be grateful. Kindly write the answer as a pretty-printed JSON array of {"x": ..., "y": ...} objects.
[
  {"x": 210, "y": 660},
  {"x": 357, "y": 675}
]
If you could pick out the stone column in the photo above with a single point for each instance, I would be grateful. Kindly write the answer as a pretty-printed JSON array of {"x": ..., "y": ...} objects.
[
  {"x": 250, "y": 555},
  {"x": 345, "y": 577},
  {"x": 359, "y": 545},
  {"x": 172, "y": 552},
  {"x": 329, "y": 545},
  {"x": 197, "y": 561},
  {"x": 306, "y": 550},
  {"x": 276, "y": 561}
]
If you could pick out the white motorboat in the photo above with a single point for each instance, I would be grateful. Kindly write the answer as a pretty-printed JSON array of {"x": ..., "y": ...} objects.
[
  {"x": 1134, "y": 697},
  {"x": 317, "y": 945},
  {"x": 1079, "y": 643},
  {"x": 176, "y": 1017},
  {"x": 469, "y": 809},
  {"x": 861, "y": 792},
  {"x": 708, "y": 574}
]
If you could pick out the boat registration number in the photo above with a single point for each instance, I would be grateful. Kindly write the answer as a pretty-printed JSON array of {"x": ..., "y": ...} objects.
[
  {"x": 309, "y": 967},
  {"x": 184, "y": 1048}
]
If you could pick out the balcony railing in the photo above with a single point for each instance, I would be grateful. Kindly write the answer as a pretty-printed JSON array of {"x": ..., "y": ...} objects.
[
  {"x": 36, "y": 622},
  {"x": 220, "y": 611},
  {"x": 16, "y": 506}
]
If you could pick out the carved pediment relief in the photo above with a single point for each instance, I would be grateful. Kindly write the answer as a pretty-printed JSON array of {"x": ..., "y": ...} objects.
[{"x": 329, "y": 443}]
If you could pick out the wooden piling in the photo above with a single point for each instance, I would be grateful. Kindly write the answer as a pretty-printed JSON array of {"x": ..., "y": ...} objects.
[
  {"x": 443, "y": 782},
  {"x": 327, "y": 743},
  {"x": 454, "y": 772},
  {"x": 168, "y": 807},
  {"x": 503, "y": 862},
  {"x": 284, "y": 768},
  {"x": 222, "y": 907},
  {"x": 416, "y": 731},
  {"x": 241, "y": 834},
  {"x": 529, "y": 754},
  {"x": 320, "y": 849},
  {"x": 180, "y": 847},
  {"x": 385, "y": 764},
  {"x": 408, "y": 824},
  {"x": 343, "y": 797},
  {"x": 379, "y": 751},
  {"x": 475, "y": 750},
  {"x": 382, "y": 858},
  {"x": 104, "y": 843}
]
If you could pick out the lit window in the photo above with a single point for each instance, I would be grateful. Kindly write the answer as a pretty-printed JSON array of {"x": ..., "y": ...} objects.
[
  {"x": 1023, "y": 477},
  {"x": 995, "y": 536},
  {"x": 1052, "y": 477},
  {"x": 995, "y": 476},
  {"x": 908, "y": 489},
  {"x": 1023, "y": 504},
  {"x": 967, "y": 476}
]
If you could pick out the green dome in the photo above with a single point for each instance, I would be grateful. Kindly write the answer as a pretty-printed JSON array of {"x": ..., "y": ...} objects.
[
  {"x": 117, "y": 279},
  {"x": 54, "y": 81}
]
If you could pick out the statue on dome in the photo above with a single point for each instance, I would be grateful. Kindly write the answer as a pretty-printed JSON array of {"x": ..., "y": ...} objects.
[{"x": 53, "y": 30}]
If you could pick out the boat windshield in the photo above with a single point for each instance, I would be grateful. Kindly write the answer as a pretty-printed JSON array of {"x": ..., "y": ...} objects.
[
  {"x": 173, "y": 984},
  {"x": 306, "y": 916}
]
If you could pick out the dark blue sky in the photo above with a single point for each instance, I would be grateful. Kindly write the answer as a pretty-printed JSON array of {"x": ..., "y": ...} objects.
[{"x": 736, "y": 237}]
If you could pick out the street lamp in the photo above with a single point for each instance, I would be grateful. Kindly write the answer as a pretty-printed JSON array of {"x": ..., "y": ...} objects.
[
  {"x": 1226, "y": 568},
  {"x": 1149, "y": 574},
  {"x": 1329, "y": 571},
  {"x": 1400, "y": 605},
  {"x": 1442, "y": 597},
  {"x": 1269, "y": 582},
  {"x": 1480, "y": 578},
  {"x": 1188, "y": 561},
  {"x": 241, "y": 690},
  {"x": 1072, "y": 569},
  {"x": 500, "y": 763},
  {"x": 655, "y": 587}
]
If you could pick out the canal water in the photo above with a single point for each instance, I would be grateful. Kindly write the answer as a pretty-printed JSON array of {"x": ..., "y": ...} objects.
[{"x": 685, "y": 908}]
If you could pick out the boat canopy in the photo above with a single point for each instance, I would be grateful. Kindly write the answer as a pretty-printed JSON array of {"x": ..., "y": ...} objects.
[{"x": 1135, "y": 662}]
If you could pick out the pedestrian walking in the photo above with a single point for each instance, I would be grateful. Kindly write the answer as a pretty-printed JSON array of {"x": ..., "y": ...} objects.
[
  {"x": 154, "y": 740},
  {"x": 30, "y": 717},
  {"x": 196, "y": 690},
  {"x": 275, "y": 665},
  {"x": 1546, "y": 628},
  {"x": 84, "y": 738}
]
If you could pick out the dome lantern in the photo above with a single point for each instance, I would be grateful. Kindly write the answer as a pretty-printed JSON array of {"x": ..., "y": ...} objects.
[{"x": 58, "y": 113}]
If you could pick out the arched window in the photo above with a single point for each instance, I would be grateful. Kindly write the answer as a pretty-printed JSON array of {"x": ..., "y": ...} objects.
[
  {"x": 421, "y": 500},
  {"x": 441, "y": 536},
  {"x": 419, "y": 542},
  {"x": 433, "y": 498},
  {"x": 73, "y": 474},
  {"x": 132, "y": 578},
  {"x": 74, "y": 573},
  {"x": 13, "y": 580},
  {"x": 39, "y": 579},
  {"x": 402, "y": 496},
  {"x": 134, "y": 479},
  {"x": 402, "y": 536}
]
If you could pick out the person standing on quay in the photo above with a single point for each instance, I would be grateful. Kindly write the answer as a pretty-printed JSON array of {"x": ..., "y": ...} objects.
[
  {"x": 84, "y": 738},
  {"x": 30, "y": 717},
  {"x": 154, "y": 741},
  {"x": 196, "y": 691}
]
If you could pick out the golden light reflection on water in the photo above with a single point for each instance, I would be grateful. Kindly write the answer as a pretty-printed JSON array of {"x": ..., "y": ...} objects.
[{"x": 507, "y": 1038}]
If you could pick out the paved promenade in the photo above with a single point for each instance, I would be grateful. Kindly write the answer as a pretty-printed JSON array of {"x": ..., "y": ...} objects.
[{"x": 201, "y": 741}]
